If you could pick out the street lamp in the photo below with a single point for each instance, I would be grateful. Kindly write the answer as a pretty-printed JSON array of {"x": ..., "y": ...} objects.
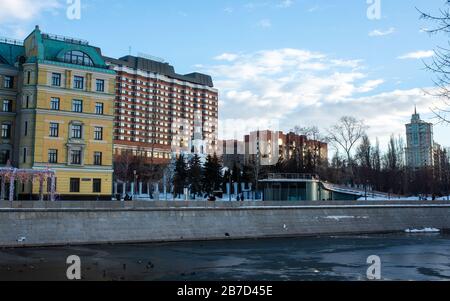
[
  {"x": 135, "y": 184},
  {"x": 230, "y": 186},
  {"x": 365, "y": 189}
]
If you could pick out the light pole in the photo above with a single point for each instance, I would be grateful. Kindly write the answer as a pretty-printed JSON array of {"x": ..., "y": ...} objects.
[
  {"x": 135, "y": 184},
  {"x": 230, "y": 186},
  {"x": 365, "y": 189}
]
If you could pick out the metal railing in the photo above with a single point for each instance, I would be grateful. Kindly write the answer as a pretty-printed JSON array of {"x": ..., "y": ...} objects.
[
  {"x": 65, "y": 39},
  {"x": 292, "y": 176},
  {"x": 11, "y": 41}
]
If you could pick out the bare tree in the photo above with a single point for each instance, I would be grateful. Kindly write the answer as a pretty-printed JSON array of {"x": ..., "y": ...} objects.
[
  {"x": 123, "y": 163},
  {"x": 346, "y": 133},
  {"x": 440, "y": 63}
]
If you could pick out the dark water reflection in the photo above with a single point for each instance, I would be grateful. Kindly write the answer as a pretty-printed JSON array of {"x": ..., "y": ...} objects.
[{"x": 404, "y": 257}]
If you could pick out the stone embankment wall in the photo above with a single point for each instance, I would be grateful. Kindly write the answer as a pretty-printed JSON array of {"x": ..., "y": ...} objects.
[{"x": 26, "y": 224}]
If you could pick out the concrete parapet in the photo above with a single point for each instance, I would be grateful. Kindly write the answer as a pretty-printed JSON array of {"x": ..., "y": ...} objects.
[{"x": 46, "y": 224}]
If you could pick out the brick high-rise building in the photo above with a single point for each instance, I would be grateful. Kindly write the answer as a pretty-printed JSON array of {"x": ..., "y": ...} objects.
[
  {"x": 159, "y": 112},
  {"x": 271, "y": 146}
]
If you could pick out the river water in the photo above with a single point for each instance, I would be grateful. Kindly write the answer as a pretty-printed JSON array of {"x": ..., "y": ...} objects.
[{"x": 403, "y": 257}]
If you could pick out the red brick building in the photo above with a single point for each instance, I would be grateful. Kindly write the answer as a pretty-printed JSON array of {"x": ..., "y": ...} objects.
[
  {"x": 275, "y": 145},
  {"x": 155, "y": 108}
]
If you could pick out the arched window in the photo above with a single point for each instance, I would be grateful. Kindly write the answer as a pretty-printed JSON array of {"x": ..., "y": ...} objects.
[{"x": 78, "y": 58}]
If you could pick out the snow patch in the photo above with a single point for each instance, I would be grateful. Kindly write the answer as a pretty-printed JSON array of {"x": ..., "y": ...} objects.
[
  {"x": 338, "y": 218},
  {"x": 425, "y": 230}
]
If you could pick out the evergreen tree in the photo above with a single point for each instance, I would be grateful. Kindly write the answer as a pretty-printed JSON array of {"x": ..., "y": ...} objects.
[
  {"x": 237, "y": 174},
  {"x": 247, "y": 174},
  {"x": 212, "y": 174},
  {"x": 194, "y": 177},
  {"x": 180, "y": 177}
]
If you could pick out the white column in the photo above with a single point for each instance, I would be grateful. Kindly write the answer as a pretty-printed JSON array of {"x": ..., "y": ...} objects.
[
  {"x": 140, "y": 188},
  {"x": 156, "y": 194},
  {"x": 2, "y": 196},
  {"x": 52, "y": 191},
  {"x": 165, "y": 187},
  {"x": 11, "y": 188},
  {"x": 41, "y": 189}
]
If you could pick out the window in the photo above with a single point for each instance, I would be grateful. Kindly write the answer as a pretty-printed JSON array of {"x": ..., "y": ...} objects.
[
  {"x": 27, "y": 102},
  {"x": 74, "y": 185},
  {"x": 52, "y": 156},
  {"x": 78, "y": 58},
  {"x": 7, "y": 105},
  {"x": 99, "y": 108},
  {"x": 98, "y": 158},
  {"x": 75, "y": 157},
  {"x": 6, "y": 131},
  {"x": 56, "y": 79},
  {"x": 98, "y": 133},
  {"x": 8, "y": 82},
  {"x": 97, "y": 186},
  {"x": 54, "y": 103},
  {"x": 54, "y": 129},
  {"x": 76, "y": 131},
  {"x": 100, "y": 85},
  {"x": 25, "y": 129},
  {"x": 24, "y": 158},
  {"x": 4, "y": 156},
  {"x": 77, "y": 106},
  {"x": 78, "y": 82},
  {"x": 28, "y": 77}
]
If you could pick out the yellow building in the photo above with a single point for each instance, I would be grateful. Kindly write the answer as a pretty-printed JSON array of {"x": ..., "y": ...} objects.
[
  {"x": 9, "y": 51},
  {"x": 64, "y": 118}
]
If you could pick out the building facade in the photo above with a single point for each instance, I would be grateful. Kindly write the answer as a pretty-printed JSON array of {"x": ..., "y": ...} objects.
[
  {"x": 64, "y": 116},
  {"x": 268, "y": 147},
  {"x": 159, "y": 112},
  {"x": 420, "y": 144},
  {"x": 272, "y": 146},
  {"x": 10, "y": 50}
]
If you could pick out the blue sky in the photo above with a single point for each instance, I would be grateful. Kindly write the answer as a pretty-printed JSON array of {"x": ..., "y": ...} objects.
[{"x": 291, "y": 62}]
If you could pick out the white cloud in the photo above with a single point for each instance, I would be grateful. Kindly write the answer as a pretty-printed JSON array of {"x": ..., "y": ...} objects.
[
  {"x": 226, "y": 57},
  {"x": 313, "y": 9},
  {"x": 421, "y": 54},
  {"x": 301, "y": 87},
  {"x": 264, "y": 23},
  {"x": 381, "y": 33},
  {"x": 24, "y": 10},
  {"x": 286, "y": 3},
  {"x": 16, "y": 15}
]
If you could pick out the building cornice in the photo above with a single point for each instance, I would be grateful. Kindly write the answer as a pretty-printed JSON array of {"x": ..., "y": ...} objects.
[
  {"x": 165, "y": 78},
  {"x": 65, "y": 91},
  {"x": 75, "y": 115},
  {"x": 79, "y": 67}
]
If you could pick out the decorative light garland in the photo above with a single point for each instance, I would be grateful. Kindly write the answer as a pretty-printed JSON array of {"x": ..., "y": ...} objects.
[{"x": 10, "y": 174}]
